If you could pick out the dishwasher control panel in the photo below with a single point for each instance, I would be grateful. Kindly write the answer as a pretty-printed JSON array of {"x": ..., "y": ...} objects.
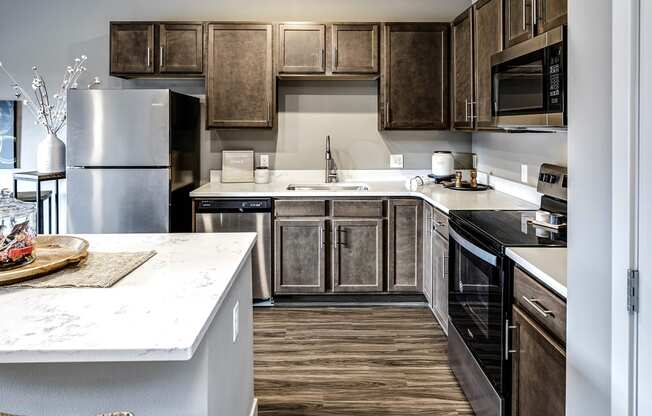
[{"x": 234, "y": 205}]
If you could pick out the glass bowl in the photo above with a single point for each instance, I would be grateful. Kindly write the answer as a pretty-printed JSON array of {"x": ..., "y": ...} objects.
[{"x": 17, "y": 231}]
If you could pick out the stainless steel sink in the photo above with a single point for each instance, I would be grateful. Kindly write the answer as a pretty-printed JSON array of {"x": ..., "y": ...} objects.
[{"x": 330, "y": 187}]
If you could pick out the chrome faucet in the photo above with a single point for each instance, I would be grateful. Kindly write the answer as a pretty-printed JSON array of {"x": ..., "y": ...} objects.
[{"x": 330, "y": 171}]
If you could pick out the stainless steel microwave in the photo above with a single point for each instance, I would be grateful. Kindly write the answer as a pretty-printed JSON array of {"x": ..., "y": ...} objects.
[{"x": 529, "y": 83}]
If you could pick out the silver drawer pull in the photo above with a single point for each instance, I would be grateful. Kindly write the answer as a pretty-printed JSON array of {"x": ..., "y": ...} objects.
[{"x": 534, "y": 303}]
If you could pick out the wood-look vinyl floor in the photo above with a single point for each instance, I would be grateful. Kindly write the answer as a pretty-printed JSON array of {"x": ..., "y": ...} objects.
[{"x": 353, "y": 362}]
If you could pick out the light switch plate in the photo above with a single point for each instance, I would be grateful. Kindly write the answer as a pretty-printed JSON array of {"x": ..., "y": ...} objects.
[
  {"x": 524, "y": 173},
  {"x": 264, "y": 161},
  {"x": 396, "y": 161},
  {"x": 236, "y": 321}
]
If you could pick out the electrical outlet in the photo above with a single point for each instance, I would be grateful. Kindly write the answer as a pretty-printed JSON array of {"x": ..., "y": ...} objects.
[
  {"x": 264, "y": 161},
  {"x": 396, "y": 161},
  {"x": 236, "y": 321},
  {"x": 524, "y": 173}
]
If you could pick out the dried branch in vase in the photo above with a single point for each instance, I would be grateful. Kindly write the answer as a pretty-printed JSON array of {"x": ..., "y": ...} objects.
[{"x": 49, "y": 112}]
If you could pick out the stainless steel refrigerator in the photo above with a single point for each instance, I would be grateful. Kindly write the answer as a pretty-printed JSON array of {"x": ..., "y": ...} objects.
[{"x": 132, "y": 160}]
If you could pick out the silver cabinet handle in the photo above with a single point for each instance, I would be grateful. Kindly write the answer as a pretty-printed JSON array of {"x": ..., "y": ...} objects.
[
  {"x": 534, "y": 14},
  {"x": 160, "y": 57},
  {"x": 149, "y": 63},
  {"x": 536, "y": 305},
  {"x": 507, "y": 329},
  {"x": 323, "y": 58},
  {"x": 322, "y": 237},
  {"x": 335, "y": 58},
  {"x": 472, "y": 105},
  {"x": 466, "y": 109},
  {"x": 524, "y": 16}
]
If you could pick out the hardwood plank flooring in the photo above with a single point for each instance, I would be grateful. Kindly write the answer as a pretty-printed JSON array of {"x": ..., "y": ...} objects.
[{"x": 353, "y": 362}]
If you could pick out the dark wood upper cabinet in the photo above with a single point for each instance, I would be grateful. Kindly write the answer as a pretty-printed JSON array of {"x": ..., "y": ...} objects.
[
  {"x": 240, "y": 85},
  {"x": 538, "y": 370},
  {"x": 414, "y": 80},
  {"x": 404, "y": 245},
  {"x": 518, "y": 21},
  {"x": 302, "y": 49},
  {"x": 355, "y": 48},
  {"x": 551, "y": 14},
  {"x": 181, "y": 48},
  {"x": 488, "y": 38},
  {"x": 357, "y": 255},
  {"x": 462, "y": 70},
  {"x": 132, "y": 48}
]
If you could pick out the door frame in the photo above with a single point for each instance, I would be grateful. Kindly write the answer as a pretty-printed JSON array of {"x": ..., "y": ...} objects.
[{"x": 626, "y": 34}]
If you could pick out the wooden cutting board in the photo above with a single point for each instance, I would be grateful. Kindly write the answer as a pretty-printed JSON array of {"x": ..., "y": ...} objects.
[{"x": 52, "y": 253}]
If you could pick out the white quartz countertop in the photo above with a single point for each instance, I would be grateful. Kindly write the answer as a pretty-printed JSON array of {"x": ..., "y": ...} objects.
[
  {"x": 547, "y": 264},
  {"x": 159, "y": 312},
  {"x": 444, "y": 199}
]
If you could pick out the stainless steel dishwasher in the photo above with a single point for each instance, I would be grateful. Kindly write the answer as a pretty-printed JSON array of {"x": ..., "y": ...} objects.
[{"x": 242, "y": 215}]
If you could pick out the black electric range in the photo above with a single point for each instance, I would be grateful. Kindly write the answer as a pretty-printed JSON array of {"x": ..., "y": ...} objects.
[{"x": 480, "y": 291}]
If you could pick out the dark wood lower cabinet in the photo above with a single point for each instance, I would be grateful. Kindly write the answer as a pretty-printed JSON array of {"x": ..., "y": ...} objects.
[
  {"x": 538, "y": 370},
  {"x": 357, "y": 255},
  {"x": 404, "y": 245},
  {"x": 440, "y": 279},
  {"x": 300, "y": 256}
]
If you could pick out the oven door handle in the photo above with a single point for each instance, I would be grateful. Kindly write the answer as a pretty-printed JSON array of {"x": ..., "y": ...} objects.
[{"x": 473, "y": 249}]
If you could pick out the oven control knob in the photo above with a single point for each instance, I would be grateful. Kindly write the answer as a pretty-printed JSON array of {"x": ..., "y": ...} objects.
[{"x": 552, "y": 179}]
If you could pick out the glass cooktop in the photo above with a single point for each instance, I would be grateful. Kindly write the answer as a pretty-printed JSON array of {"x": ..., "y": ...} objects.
[{"x": 511, "y": 228}]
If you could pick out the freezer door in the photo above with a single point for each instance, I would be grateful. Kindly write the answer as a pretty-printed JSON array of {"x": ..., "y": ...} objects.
[
  {"x": 118, "y": 200},
  {"x": 118, "y": 128}
]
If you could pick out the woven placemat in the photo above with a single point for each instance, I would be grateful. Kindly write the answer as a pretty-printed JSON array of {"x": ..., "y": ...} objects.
[{"x": 98, "y": 270}]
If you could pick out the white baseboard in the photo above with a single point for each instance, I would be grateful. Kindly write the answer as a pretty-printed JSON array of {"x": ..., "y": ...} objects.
[{"x": 254, "y": 408}]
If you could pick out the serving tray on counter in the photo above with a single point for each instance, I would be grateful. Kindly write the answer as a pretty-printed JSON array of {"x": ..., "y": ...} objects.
[{"x": 51, "y": 253}]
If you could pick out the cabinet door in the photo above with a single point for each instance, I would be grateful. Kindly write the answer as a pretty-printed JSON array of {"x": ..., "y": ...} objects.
[
  {"x": 488, "y": 37},
  {"x": 427, "y": 254},
  {"x": 299, "y": 256},
  {"x": 302, "y": 49},
  {"x": 538, "y": 370},
  {"x": 355, "y": 48},
  {"x": 462, "y": 37},
  {"x": 240, "y": 90},
  {"x": 181, "y": 49},
  {"x": 414, "y": 81},
  {"x": 440, "y": 262},
  {"x": 404, "y": 245},
  {"x": 518, "y": 21},
  {"x": 551, "y": 13},
  {"x": 132, "y": 48},
  {"x": 357, "y": 254}
]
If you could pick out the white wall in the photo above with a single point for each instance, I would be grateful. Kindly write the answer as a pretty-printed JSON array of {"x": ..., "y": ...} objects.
[
  {"x": 589, "y": 244},
  {"x": 502, "y": 154}
]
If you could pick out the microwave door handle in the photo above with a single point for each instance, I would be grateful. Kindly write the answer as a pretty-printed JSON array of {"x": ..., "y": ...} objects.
[{"x": 473, "y": 249}]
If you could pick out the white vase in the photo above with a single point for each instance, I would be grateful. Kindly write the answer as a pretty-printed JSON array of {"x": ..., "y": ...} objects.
[{"x": 51, "y": 155}]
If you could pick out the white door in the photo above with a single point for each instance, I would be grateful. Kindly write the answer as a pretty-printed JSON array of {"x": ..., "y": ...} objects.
[{"x": 643, "y": 397}]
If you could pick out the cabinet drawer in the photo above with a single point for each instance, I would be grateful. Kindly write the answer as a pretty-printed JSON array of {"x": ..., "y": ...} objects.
[
  {"x": 357, "y": 209},
  {"x": 440, "y": 222},
  {"x": 300, "y": 208},
  {"x": 541, "y": 304}
]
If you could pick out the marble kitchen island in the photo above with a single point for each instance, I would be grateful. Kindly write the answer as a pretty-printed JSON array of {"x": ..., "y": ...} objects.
[{"x": 174, "y": 337}]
